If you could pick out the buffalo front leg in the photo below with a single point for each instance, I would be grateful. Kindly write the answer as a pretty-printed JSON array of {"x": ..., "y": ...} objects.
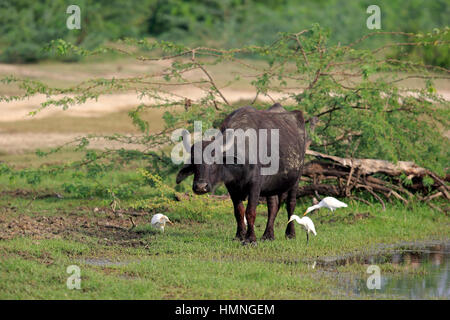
[
  {"x": 273, "y": 207},
  {"x": 239, "y": 212},
  {"x": 250, "y": 214},
  {"x": 291, "y": 201}
]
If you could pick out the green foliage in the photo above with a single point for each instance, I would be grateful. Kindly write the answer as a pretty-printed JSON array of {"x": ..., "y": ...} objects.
[
  {"x": 239, "y": 23},
  {"x": 405, "y": 180},
  {"x": 27, "y": 25},
  {"x": 137, "y": 120},
  {"x": 428, "y": 182}
]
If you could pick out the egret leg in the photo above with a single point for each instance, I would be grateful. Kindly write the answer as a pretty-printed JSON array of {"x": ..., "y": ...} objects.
[
  {"x": 307, "y": 237},
  {"x": 133, "y": 224}
]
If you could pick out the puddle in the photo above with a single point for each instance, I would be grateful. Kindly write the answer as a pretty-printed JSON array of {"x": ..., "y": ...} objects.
[
  {"x": 431, "y": 259},
  {"x": 426, "y": 276}
]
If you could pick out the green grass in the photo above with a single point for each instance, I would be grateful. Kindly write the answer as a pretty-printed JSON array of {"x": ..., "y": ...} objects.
[{"x": 192, "y": 259}]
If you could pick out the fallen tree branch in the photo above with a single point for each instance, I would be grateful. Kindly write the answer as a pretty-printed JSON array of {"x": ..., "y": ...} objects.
[
  {"x": 336, "y": 176},
  {"x": 371, "y": 166}
]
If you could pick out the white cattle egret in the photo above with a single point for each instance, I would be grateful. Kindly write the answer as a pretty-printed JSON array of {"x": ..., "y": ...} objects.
[
  {"x": 159, "y": 221},
  {"x": 306, "y": 223},
  {"x": 329, "y": 203}
]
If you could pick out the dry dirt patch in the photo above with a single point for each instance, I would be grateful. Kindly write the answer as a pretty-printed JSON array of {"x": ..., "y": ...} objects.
[{"x": 108, "y": 230}]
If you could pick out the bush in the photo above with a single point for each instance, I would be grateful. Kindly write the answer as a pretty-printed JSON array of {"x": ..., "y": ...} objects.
[
  {"x": 237, "y": 23},
  {"x": 28, "y": 25}
]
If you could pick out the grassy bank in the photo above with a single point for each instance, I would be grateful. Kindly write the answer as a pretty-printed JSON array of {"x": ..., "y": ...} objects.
[{"x": 42, "y": 234}]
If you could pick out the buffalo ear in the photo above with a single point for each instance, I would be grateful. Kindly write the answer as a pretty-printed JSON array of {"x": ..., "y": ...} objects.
[{"x": 185, "y": 172}]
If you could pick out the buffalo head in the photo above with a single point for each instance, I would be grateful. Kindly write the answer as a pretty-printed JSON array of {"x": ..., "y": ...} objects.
[{"x": 206, "y": 176}]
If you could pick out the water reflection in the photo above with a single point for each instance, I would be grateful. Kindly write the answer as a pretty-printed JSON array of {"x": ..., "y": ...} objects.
[
  {"x": 426, "y": 276},
  {"x": 435, "y": 283}
]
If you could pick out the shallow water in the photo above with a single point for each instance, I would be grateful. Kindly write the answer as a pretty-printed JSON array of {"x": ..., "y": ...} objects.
[{"x": 432, "y": 260}]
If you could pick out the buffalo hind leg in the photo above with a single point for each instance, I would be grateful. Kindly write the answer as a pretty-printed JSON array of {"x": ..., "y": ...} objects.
[
  {"x": 291, "y": 201},
  {"x": 273, "y": 205}
]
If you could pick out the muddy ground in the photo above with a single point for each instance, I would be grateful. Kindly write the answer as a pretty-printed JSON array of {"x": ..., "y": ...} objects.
[{"x": 79, "y": 223}]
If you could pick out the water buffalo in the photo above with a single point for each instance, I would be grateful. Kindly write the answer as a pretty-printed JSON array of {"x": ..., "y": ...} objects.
[{"x": 245, "y": 181}]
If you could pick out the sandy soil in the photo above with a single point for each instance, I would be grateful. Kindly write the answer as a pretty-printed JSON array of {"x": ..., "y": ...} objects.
[
  {"x": 19, "y": 110},
  {"x": 16, "y": 143}
]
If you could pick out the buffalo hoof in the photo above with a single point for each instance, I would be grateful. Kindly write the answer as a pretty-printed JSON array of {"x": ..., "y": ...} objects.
[
  {"x": 239, "y": 236},
  {"x": 248, "y": 242},
  {"x": 290, "y": 235},
  {"x": 269, "y": 237},
  {"x": 290, "y": 232}
]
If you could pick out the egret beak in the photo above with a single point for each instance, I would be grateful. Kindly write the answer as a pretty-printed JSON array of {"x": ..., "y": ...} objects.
[
  {"x": 168, "y": 221},
  {"x": 306, "y": 212}
]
